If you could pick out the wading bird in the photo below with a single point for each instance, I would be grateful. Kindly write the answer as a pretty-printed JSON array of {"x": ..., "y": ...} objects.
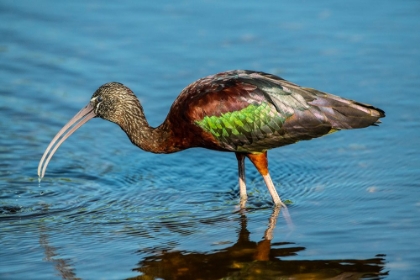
[{"x": 241, "y": 111}]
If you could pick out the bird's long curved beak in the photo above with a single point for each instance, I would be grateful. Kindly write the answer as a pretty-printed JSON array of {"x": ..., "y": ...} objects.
[{"x": 77, "y": 121}]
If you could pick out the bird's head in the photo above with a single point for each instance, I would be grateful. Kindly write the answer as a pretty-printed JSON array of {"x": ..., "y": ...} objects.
[{"x": 110, "y": 102}]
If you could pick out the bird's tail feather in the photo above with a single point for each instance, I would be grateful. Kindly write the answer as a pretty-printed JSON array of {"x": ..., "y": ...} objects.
[{"x": 344, "y": 113}]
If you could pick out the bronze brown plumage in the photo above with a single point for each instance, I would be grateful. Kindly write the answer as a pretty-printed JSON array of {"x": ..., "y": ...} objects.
[{"x": 245, "y": 112}]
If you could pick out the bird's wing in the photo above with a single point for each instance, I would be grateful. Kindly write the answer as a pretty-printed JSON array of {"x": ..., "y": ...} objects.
[{"x": 250, "y": 111}]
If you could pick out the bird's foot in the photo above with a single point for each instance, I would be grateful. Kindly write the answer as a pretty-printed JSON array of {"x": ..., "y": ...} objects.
[
  {"x": 279, "y": 203},
  {"x": 243, "y": 201},
  {"x": 285, "y": 211}
]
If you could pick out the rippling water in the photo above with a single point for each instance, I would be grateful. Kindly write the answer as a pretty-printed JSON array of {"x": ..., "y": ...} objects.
[{"x": 107, "y": 210}]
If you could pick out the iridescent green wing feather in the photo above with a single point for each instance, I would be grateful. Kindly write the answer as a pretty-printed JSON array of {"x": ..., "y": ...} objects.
[{"x": 246, "y": 129}]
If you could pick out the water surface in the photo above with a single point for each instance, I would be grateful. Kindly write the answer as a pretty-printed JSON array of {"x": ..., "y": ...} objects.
[{"x": 107, "y": 210}]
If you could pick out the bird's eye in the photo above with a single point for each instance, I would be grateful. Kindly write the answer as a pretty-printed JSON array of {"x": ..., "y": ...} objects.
[{"x": 99, "y": 98}]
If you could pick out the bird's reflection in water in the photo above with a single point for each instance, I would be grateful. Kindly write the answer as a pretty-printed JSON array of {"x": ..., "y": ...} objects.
[
  {"x": 62, "y": 265},
  {"x": 248, "y": 259}
]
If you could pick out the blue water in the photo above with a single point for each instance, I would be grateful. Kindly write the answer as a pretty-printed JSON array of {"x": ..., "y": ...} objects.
[{"x": 107, "y": 210}]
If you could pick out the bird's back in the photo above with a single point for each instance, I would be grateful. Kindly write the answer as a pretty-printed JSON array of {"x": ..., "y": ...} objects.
[{"x": 248, "y": 111}]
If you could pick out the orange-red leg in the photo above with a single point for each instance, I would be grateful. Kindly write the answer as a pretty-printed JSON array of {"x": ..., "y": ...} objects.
[{"x": 260, "y": 162}]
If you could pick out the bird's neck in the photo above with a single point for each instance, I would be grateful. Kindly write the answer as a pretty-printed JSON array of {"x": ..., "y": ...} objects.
[{"x": 147, "y": 138}]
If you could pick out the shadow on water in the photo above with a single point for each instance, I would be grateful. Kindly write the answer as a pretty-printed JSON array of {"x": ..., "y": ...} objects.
[{"x": 248, "y": 259}]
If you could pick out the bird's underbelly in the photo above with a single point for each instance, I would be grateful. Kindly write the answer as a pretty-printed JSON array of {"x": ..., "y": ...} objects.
[{"x": 256, "y": 143}]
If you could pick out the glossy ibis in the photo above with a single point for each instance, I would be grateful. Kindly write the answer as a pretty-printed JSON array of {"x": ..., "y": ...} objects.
[{"x": 245, "y": 112}]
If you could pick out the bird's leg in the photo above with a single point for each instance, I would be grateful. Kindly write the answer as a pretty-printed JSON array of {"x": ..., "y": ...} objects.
[
  {"x": 261, "y": 163},
  {"x": 241, "y": 175}
]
